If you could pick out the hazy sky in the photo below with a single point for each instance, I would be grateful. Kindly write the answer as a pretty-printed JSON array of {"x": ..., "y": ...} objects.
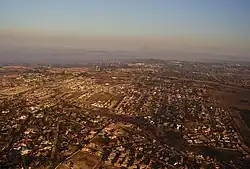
[{"x": 140, "y": 27}]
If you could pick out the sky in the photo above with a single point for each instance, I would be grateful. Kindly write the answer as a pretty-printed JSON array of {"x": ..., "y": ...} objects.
[{"x": 163, "y": 29}]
